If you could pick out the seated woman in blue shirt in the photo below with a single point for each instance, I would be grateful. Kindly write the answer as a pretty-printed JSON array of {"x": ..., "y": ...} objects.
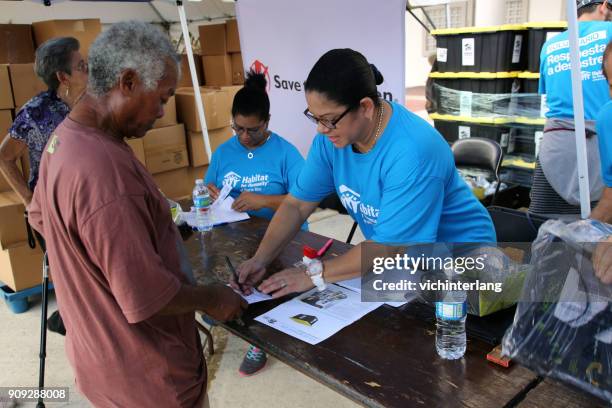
[
  {"x": 394, "y": 173},
  {"x": 260, "y": 166}
]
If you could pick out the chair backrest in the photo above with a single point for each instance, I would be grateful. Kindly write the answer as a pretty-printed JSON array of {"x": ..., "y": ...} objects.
[{"x": 476, "y": 152}]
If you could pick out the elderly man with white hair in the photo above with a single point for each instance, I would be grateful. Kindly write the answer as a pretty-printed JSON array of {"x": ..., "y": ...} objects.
[{"x": 128, "y": 309}]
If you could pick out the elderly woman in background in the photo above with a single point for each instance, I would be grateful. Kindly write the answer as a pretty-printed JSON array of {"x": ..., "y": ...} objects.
[
  {"x": 62, "y": 68},
  {"x": 129, "y": 310}
]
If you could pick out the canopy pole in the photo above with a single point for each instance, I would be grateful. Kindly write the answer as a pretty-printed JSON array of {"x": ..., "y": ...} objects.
[
  {"x": 579, "y": 122},
  {"x": 194, "y": 77}
]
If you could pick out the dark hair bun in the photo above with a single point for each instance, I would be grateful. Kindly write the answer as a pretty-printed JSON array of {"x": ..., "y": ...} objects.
[
  {"x": 378, "y": 77},
  {"x": 255, "y": 80}
]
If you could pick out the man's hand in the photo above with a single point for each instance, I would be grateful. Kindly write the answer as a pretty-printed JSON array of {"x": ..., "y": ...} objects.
[
  {"x": 602, "y": 261},
  {"x": 248, "y": 201},
  {"x": 250, "y": 273},
  {"x": 213, "y": 191},
  {"x": 285, "y": 282},
  {"x": 228, "y": 305}
]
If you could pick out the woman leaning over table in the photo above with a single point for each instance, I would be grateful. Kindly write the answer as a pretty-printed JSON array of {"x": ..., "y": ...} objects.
[{"x": 394, "y": 173}]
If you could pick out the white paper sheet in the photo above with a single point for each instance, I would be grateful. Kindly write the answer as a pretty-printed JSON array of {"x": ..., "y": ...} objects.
[
  {"x": 255, "y": 297},
  {"x": 222, "y": 213},
  {"x": 314, "y": 316}
]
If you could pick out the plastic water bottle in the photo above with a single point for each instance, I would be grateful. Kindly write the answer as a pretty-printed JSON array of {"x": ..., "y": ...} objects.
[
  {"x": 450, "y": 322},
  {"x": 201, "y": 203}
]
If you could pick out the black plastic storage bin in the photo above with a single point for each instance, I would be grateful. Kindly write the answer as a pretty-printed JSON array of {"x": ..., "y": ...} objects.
[
  {"x": 539, "y": 33},
  {"x": 529, "y": 82},
  {"x": 474, "y": 93},
  {"x": 454, "y": 128},
  {"x": 482, "y": 49},
  {"x": 522, "y": 177},
  {"x": 524, "y": 141}
]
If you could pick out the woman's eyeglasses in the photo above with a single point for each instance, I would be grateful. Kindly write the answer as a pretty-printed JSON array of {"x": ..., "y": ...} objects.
[
  {"x": 330, "y": 124},
  {"x": 250, "y": 131}
]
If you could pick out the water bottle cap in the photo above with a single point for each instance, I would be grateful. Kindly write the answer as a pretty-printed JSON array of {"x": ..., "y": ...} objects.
[{"x": 199, "y": 181}]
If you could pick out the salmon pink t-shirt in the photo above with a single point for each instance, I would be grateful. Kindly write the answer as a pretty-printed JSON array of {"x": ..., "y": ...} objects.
[{"x": 113, "y": 258}]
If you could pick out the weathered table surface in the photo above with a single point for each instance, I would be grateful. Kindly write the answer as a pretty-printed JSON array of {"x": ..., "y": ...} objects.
[
  {"x": 552, "y": 394},
  {"x": 386, "y": 359}
]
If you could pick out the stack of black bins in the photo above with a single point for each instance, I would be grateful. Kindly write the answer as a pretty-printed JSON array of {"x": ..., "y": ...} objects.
[
  {"x": 496, "y": 70},
  {"x": 478, "y": 68}
]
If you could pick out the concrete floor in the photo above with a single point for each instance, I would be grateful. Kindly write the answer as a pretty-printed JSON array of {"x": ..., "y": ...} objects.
[{"x": 278, "y": 385}]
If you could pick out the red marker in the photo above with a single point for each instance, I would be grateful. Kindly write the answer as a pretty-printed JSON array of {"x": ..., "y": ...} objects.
[{"x": 325, "y": 247}]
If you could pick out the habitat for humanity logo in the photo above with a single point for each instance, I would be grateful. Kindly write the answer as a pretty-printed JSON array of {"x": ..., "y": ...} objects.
[
  {"x": 351, "y": 200},
  {"x": 259, "y": 68},
  {"x": 231, "y": 179}
]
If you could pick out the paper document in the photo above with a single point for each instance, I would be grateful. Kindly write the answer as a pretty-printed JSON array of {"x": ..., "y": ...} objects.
[
  {"x": 255, "y": 297},
  {"x": 314, "y": 316},
  {"x": 221, "y": 212}
]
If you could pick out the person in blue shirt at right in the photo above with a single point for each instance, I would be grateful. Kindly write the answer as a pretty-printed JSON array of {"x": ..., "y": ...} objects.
[
  {"x": 555, "y": 192},
  {"x": 393, "y": 172}
]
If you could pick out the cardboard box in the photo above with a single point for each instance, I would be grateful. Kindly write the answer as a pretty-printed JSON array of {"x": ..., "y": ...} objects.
[
  {"x": 6, "y": 120},
  {"x": 197, "y": 152},
  {"x": 16, "y": 44},
  {"x": 231, "y": 90},
  {"x": 25, "y": 83},
  {"x": 217, "y": 108},
  {"x": 169, "y": 118},
  {"x": 237, "y": 69},
  {"x": 175, "y": 184},
  {"x": 185, "y": 80},
  {"x": 6, "y": 91},
  {"x": 137, "y": 146},
  {"x": 165, "y": 149},
  {"x": 217, "y": 70},
  {"x": 85, "y": 30},
  {"x": 232, "y": 36},
  {"x": 21, "y": 266},
  {"x": 4, "y": 185},
  {"x": 213, "y": 40},
  {"x": 12, "y": 223}
]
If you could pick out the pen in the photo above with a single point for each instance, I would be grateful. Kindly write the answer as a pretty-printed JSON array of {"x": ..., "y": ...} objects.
[
  {"x": 325, "y": 247},
  {"x": 231, "y": 267}
]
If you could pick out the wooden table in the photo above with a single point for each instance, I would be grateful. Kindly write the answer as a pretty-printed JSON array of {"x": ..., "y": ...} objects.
[
  {"x": 386, "y": 359},
  {"x": 550, "y": 393}
]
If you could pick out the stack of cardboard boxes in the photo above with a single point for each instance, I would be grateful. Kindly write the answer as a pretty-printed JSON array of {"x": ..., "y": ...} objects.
[
  {"x": 20, "y": 266},
  {"x": 221, "y": 56}
]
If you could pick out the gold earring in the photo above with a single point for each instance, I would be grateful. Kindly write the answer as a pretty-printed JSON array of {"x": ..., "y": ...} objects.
[{"x": 67, "y": 91}]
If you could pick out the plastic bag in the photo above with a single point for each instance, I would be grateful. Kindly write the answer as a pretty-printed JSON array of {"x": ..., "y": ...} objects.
[{"x": 563, "y": 324}]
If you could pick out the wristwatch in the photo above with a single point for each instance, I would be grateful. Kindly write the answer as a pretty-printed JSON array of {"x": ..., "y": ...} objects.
[{"x": 314, "y": 270}]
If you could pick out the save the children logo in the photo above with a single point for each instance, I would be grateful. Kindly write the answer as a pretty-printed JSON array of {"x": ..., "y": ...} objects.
[
  {"x": 259, "y": 68},
  {"x": 231, "y": 179}
]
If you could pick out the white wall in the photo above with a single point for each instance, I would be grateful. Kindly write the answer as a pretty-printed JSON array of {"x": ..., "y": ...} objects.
[
  {"x": 489, "y": 13},
  {"x": 549, "y": 10},
  {"x": 417, "y": 67}
]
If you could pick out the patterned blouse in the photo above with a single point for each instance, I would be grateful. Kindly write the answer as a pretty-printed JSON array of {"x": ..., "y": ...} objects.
[{"x": 33, "y": 125}]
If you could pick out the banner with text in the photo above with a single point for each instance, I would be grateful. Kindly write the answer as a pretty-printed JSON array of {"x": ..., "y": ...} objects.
[{"x": 284, "y": 38}]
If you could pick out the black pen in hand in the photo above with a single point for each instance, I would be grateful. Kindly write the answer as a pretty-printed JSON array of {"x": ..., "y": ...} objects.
[{"x": 231, "y": 267}]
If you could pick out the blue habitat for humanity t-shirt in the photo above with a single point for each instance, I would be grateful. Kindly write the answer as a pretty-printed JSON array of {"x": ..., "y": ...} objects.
[
  {"x": 272, "y": 170},
  {"x": 555, "y": 71},
  {"x": 405, "y": 190},
  {"x": 604, "y": 137}
]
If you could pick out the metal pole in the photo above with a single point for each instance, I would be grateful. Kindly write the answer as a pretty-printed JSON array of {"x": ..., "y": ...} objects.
[
  {"x": 194, "y": 77},
  {"x": 579, "y": 125}
]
